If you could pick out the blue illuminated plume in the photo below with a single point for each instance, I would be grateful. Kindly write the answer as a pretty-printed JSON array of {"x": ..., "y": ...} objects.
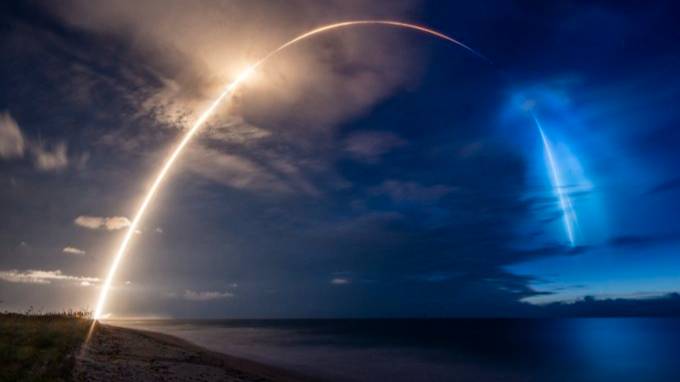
[{"x": 568, "y": 215}]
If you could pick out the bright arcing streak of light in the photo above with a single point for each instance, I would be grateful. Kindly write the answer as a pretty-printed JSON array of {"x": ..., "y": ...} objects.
[
  {"x": 568, "y": 214},
  {"x": 170, "y": 161}
]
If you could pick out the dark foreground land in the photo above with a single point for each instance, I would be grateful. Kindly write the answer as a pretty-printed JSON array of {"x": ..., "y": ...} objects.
[
  {"x": 54, "y": 348},
  {"x": 39, "y": 347}
]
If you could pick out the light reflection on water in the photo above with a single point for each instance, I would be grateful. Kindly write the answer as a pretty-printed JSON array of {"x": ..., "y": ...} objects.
[
  {"x": 624, "y": 349},
  {"x": 602, "y": 349}
]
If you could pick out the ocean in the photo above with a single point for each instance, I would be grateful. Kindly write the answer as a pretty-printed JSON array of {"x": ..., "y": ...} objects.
[{"x": 582, "y": 349}]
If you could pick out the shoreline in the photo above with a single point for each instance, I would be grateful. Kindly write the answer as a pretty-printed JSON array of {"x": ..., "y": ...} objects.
[{"x": 116, "y": 353}]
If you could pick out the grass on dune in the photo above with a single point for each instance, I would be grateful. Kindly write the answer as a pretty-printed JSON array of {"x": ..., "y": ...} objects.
[{"x": 40, "y": 347}]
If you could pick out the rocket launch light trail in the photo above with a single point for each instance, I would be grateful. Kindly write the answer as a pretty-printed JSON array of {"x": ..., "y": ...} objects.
[
  {"x": 229, "y": 90},
  {"x": 568, "y": 214}
]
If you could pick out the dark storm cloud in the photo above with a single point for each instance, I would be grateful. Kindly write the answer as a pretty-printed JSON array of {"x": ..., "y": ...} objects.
[
  {"x": 666, "y": 305},
  {"x": 644, "y": 240},
  {"x": 667, "y": 186}
]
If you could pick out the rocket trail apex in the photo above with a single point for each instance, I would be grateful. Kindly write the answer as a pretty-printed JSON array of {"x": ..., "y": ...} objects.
[{"x": 229, "y": 89}]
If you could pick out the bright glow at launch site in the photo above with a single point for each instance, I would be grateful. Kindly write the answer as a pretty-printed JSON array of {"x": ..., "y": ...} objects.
[{"x": 200, "y": 122}]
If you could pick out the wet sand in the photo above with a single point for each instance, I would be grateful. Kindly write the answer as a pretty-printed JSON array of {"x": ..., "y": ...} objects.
[{"x": 121, "y": 354}]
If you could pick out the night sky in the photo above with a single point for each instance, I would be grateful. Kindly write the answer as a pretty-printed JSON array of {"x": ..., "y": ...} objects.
[{"x": 366, "y": 172}]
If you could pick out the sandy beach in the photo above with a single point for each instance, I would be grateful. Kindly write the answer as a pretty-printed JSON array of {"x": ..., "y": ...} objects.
[{"x": 121, "y": 354}]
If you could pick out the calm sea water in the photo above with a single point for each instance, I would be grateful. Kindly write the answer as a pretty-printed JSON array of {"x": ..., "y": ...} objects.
[{"x": 600, "y": 349}]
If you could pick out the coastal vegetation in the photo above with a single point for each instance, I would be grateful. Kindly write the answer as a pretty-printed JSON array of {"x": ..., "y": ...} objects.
[{"x": 41, "y": 346}]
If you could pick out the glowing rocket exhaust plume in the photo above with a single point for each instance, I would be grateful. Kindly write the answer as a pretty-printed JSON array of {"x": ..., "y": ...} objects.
[
  {"x": 229, "y": 90},
  {"x": 568, "y": 214}
]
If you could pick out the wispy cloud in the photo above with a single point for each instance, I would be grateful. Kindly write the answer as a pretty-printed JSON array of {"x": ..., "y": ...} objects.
[
  {"x": 233, "y": 170},
  {"x": 50, "y": 160},
  {"x": 104, "y": 223},
  {"x": 11, "y": 139},
  {"x": 236, "y": 130},
  {"x": 34, "y": 276},
  {"x": 340, "y": 281},
  {"x": 369, "y": 146},
  {"x": 73, "y": 251},
  {"x": 206, "y": 295},
  {"x": 14, "y": 145},
  {"x": 412, "y": 191}
]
